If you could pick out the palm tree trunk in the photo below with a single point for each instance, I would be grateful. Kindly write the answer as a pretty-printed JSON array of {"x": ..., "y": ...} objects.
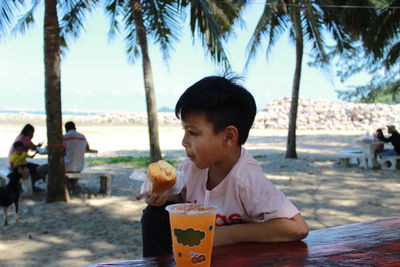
[
  {"x": 56, "y": 189},
  {"x": 291, "y": 140},
  {"x": 152, "y": 121}
]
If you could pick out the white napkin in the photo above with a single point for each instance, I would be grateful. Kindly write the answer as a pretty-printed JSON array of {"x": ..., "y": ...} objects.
[{"x": 147, "y": 185}]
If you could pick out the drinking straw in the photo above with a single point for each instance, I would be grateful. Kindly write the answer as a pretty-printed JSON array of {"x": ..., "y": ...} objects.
[{"x": 206, "y": 197}]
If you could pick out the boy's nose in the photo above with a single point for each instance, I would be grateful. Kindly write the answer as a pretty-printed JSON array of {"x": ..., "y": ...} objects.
[{"x": 184, "y": 142}]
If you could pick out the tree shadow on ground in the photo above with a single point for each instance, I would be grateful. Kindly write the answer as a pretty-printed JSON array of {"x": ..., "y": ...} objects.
[
  {"x": 90, "y": 228},
  {"x": 93, "y": 228}
]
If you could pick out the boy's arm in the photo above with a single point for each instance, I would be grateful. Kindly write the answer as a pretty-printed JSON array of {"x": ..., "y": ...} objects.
[
  {"x": 275, "y": 230},
  {"x": 31, "y": 156}
]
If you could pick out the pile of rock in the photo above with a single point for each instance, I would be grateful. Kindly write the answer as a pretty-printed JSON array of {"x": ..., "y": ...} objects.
[
  {"x": 312, "y": 115},
  {"x": 110, "y": 118},
  {"x": 325, "y": 115}
]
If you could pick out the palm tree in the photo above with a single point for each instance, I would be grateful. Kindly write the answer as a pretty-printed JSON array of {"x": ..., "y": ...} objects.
[
  {"x": 303, "y": 20},
  {"x": 56, "y": 189},
  {"x": 135, "y": 15},
  {"x": 54, "y": 38},
  {"x": 373, "y": 26},
  {"x": 162, "y": 21},
  {"x": 383, "y": 35}
]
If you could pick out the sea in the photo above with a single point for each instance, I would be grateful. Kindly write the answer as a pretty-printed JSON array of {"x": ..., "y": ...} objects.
[{"x": 73, "y": 113}]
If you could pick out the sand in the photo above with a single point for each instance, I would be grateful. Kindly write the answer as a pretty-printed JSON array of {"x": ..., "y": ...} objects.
[{"x": 93, "y": 228}]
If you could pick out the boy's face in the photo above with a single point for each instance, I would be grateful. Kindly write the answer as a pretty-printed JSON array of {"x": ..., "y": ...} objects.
[{"x": 202, "y": 145}]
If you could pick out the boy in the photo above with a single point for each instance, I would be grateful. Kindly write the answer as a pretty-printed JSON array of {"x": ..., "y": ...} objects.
[
  {"x": 19, "y": 155},
  {"x": 217, "y": 115},
  {"x": 19, "y": 164}
]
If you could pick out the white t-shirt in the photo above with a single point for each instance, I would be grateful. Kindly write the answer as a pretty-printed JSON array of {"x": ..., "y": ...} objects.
[
  {"x": 75, "y": 148},
  {"x": 245, "y": 195}
]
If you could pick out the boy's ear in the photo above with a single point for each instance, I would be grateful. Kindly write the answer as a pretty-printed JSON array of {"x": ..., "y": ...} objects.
[{"x": 231, "y": 135}]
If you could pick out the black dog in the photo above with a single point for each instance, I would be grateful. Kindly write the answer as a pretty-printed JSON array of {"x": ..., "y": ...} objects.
[{"x": 10, "y": 195}]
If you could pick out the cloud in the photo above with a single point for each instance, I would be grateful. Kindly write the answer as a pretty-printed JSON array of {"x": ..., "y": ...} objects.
[
  {"x": 161, "y": 90},
  {"x": 178, "y": 90}
]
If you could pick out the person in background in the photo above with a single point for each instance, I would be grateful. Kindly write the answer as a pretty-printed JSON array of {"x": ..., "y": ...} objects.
[
  {"x": 394, "y": 138},
  {"x": 25, "y": 138},
  {"x": 18, "y": 161},
  {"x": 19, "y": 156},
  {"x": 75, "y": 145}
]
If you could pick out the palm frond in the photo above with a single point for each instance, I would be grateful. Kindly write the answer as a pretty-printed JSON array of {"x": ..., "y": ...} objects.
[
  {"x": 131, "y": 45},
  {"x": 163, "y": 22},
  {"x": 314, "y": 27},
  {"x": 73, "y": 20},
  {"x": 26, "y": 20},
  {"x": 211, "y": 25},
  {"x": 393, "y": 55},
  {"x": 113, "y": 10},
  {"x": 8, "y": 9},
  {"x": 279, "y": 24},
  {"x": 386, "y": 29},
  {"x": 271, "y": 24}
]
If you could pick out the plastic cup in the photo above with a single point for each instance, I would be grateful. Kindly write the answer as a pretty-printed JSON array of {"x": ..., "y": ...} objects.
[{"x": 192, "y": 231}]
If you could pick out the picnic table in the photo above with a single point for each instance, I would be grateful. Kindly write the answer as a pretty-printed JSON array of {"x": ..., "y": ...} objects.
[
  {"x": 370, "y": 243},
  {"x": 44, "y": 151},
  {"x": 368, "y": 149}
]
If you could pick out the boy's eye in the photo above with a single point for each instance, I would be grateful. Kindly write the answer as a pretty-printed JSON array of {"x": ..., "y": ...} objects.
[{"x": 192, "y": 133}]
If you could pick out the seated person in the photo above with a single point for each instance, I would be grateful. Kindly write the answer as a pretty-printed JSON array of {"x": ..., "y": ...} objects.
[
  {"x": 25, "y": 137},
  {"x": 75, "y": 145},
  {"x": 394, "y": 139}
]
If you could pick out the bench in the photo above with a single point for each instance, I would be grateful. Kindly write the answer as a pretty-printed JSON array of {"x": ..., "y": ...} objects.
[
  {"x": 26, "y": 183},
  {"x": 347, "y": 157},
  {"x": 105, "y": 178},
  {"x": 388, "y": 162}
]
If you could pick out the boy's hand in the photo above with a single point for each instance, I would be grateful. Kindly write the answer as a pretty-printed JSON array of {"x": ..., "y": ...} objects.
[
  {"x": 156, "y": 200},
  {"x": 153, "y": 199}
]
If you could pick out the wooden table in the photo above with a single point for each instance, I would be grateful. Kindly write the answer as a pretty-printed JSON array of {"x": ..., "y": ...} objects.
[
  {"x": 44, "y": 151},
  {"x": 371, "y": 243}
]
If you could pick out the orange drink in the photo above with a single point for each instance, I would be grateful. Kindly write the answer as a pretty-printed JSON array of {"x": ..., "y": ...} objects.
[{"x": 192, "y": 231}]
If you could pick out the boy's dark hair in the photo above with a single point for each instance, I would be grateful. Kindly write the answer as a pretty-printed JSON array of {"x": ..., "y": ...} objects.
[
  {"x": 70, "y": 126},
  {"x": 27, "y": 130},
  {"x": 18, "y": 144},
  {"x": 222, "y": 101}
]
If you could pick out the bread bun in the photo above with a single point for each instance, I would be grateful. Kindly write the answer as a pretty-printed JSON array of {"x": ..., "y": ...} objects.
[{"x": 162, "y": 174}]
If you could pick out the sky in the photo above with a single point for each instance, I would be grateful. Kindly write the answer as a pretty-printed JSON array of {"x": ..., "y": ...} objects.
[{"x": 96, "y": 75}]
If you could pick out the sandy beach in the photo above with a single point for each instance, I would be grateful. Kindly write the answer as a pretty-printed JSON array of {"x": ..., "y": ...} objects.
[{"x": 93, "y": 228}]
